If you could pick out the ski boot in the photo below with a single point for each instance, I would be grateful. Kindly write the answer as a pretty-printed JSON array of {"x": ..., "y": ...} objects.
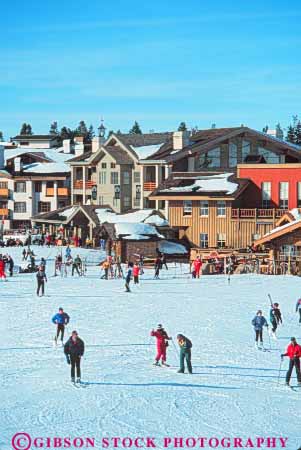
[
  {"x": 165, "y": 364},
  {"x": 78, "y": 380},
  {"x": 73, "y": 380},
  {"x": 156, "y": 363},
  {"x": 180, "y": 371},
  {"x": 256, "y": 344},
  {"x": 287, "y": 384}
]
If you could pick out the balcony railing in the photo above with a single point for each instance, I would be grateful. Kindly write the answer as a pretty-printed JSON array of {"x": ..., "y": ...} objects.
[
  {"x": 149, "y": 186},
  {"x": 4, "y": 192},
  {"x": 78, "y": 184},
  {"x": 4, "y": 212},
  {"x": 254, "y": 213}
]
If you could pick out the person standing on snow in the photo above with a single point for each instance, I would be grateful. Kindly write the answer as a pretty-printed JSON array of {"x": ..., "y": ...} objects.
[
  {"x": 61, "y": 319},
  {"x": 298, "y": 308},
  {"x": 185, "y": 353},
  {"x": 197, "y": 266},
  {"x": 11, "y": 264},
  {"x": 2, "y": 269},
  {"x": 77, "y": 264},
  {"x": 294, "y": 353},
  {"x": 41, "y": 278},
  {"x": 258, "y": 323},
  {"x": 74, "y": 350},
  {"x": 158, "y": 265},
  {"x": 105, "y": 266},
  {"x": 129, "y": 276},
  {"x": 136, "y": 271},
  {"x": 162, "y": 343},
  {"x": 68, "y": 252},
  {"x": 275, "y": 318}
]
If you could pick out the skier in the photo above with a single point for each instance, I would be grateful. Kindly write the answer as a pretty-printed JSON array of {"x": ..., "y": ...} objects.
[
  {"x": 294, "y": 353},
  {"x": 77, "y": 262},
  {"x": 162, "y": 343},
  {"x": 41, "y": 278},
  {"x": 136, "y": 271},
  {"x": 24, "y": 255},
  {"x": 298, "y": 308},
  {"x": 259, "y": 322},
  {"x": 43, "y": 263},
  {"x": 10, "y": 266},
  {"x": 68, "y": 252},
  {"x": 58, "y": 264},
  {"x": 197, "y": 265},
  {"x": 129, "y": 276},
  {"x": 157, "y": 267},
  {"x": 185, "y": 353},
  {"x": 61, "y": 319},
  {"x": 105, "y": 266},
  {"x": 2, "y": 269},
  {"x": 275, "y": 318},
  {"x": 74, "y": 350},
  {"x": 163, "y": 261}
]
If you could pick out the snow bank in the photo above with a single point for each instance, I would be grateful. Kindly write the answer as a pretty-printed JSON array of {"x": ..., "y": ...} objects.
[
  {"x": 210, "y": 183},
  {"x": 172, "y": 248}
]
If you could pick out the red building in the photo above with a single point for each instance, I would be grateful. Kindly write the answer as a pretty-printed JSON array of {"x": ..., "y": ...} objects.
[{"x": 273, "y": 185}]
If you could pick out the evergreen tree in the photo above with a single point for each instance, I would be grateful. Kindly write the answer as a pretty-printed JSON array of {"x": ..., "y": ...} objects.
[
  {"x": 279, "y": 131},
  {"x": 290, "y": 136},
  {"x": 135, "y": 128},
  {"x": 82, "y": 129},
  {"x": 298, "y": 133},
  {"x": 29, "y": 130},
  {"x": 23, "y": 128},
  {"x": 66, "y": 133},
  {"x": 54, "y": 129},
  {"x": 90, "y": 135},
  {"x": 265, "y": 129},
  {"x": 182, "y": 126},
  {"x": 110, "y": 133},
  {"x": 118, "y": 132},
  {"x": 1, "y": 136}
]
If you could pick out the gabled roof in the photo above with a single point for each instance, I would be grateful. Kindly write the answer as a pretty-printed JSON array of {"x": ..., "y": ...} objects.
[
  {"x": 280, "y": 231},
  {"x": 35, "y": 137},
  {"x": 66, "y": 214},
  {"x": 81, "y": 158},
  {"x": 140, "y": 140},
  {"x": 120, "y": 156}
]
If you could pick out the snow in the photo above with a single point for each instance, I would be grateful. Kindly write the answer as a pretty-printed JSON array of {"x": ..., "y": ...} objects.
[
  {"x": 172, "y": 248},
  {"x": 286, "y": 225},
  {"x": 210, "y": 183},
  {"x": 68, "y": 212},
  {"x": 136, "y": 237},
  {"x": 58, "y": 164},
  {"x": 145, "y": 151},
  {"x": 127, "y": 228},
  {"x": 233, "y": 391},
  {"x": 143, "y": 215},
  {"x": 156, "y": 220}
]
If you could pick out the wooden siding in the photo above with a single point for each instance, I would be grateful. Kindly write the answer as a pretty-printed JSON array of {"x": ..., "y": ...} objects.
[{"x": 239, "y": 232}]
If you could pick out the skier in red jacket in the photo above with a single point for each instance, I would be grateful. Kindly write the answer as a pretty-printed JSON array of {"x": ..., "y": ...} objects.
[
  {"x": 2, "y": 269},
  {"x": 294, "y": 353},
  {"x": 197, "y": 266},
  {"x": 162, "y": 338},
  {"x": 136, "y": 272}
]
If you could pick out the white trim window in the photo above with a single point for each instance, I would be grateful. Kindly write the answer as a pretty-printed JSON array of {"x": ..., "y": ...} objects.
[
  {"x": 283, "y": 194},
  {"x": 187, "y": 207},
  {"x": 114, "y": 177},
  {"x": 136, "y": 177},
  {"x": 266, "y": 188},
  {"x": 20, "y": 186},
  {"x": 20, "y": 207},
  {"x": 221, "y": 240},
  {"x": 221, "y": 208},
  {"x": 102, "y": 177},
  {"x": 204, "y": 240},
  {"x": 204, "y": 208}
]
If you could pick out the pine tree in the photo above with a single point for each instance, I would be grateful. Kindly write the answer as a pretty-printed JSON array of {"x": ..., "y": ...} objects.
[
  {"x": 23, "y": 128},
  {"x": 90, "y": 134},
  {"x": 265, "y": 129},
  {"x": 290, "y": 136},
  {"x": 1, "y": 136},
  {"x": 110, "y": 133},
  {"x": 182, "y": 126},
  {"x": 135, "y": 128},
  {"x": 279, "y": 131},
  {"x": 118, "y": 132},
  {"x": 26, "y": 129},
  {"x": 82, "y": 129},
  {"x": 54, "y": 131},
  {"x": 66, "y": 133},
  {"x": 298, "y": 133}
]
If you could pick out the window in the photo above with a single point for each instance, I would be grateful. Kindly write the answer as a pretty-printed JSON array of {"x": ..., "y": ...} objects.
[
  {"x": 20, "y": 207},
  {"x": 246, "y": 150},
  {"x": 187, "y": 207},
  {"x": 44, "y": 207},
  {"x": 232, "y": 155},
  {"x": 299, "y": 194},
  {"x": 221, "y": 208},
  {"x": 20, "y": 186},
  {"x": 24, "y": 143},
  {"x": 102, "y": 177},
  {"x": 127, "y": 202},
  {"x": 137, "y": 202},
  {"x": 204, "y": 240},
  {"x": 266, "y": 194},
  {"x": 3, "y": 185},
  {"x": 210, "y": 159},
  {"x": 136, "y": 177},
  {"x": 114, "y": 177},
  {"x": 115, "y": 201},
  {"x": 38, "y": 186},
  {"x": 113, "y": 165},
  {"x": 221, "y": 240},
  {"x": 126, "y": 178},
  {"x": 269, "y": 156},
  {"x": 283, "y": 195},
  {"x": 101, "y": 200},
  {"x": 204, "y": 208},
  {"x": 103, "y": 165}
]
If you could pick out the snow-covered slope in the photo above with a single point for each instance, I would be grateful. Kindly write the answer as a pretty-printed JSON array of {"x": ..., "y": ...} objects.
[{"x": 233, "y": 391}]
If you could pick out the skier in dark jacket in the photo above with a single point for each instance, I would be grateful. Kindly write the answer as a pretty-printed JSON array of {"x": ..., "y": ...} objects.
[
  {"x": 185, "y": 353},
  {"x": 77, "y": 264},
  {"x": 61, "y": 319},
  {"x": 41, "y": 278},
  {"x": 258, "y": 323},
  {"x": 298, "y": 308},
  {"x": 275, "y": 318},
  {"x": 294, "y": 353},
  {"x": 74, "y": 350},
  {"x": 10, "y": 266},
  {"x": 158, "y": 266},
  {"x": 129, "y": 277}
]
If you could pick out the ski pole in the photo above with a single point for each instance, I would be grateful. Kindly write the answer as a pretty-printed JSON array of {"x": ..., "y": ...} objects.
[
  {"x": 279, "y": 372},
  {"x": 177, "y": 351}
]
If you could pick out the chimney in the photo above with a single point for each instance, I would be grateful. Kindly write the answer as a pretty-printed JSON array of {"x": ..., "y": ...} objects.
[
  {"x": 79, "y": 145},
  {"x": 1, "y": 156},
  {"x": 180, "y": 139},
  {"x": 96, "y": 143},
  {"x": 18, "y": 165},
  {"x": 66, "y": 145}
]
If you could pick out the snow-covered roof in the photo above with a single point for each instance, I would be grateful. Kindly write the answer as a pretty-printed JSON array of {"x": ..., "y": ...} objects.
[
  {"x": 58, "y": 164},
  {"x": 282, "y": 227},
  {"x": 68, "y": 212},
  {"x": 172, "y": 248},
  {"x": 133, "y": 229},
  {"x": 210, "y": 183},
  {"x": 143, "y": 215},
  {"x": 145, "y": 151}
]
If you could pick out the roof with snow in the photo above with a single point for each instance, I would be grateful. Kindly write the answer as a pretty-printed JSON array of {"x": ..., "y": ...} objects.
[
  {"x": 149, "y": 216},
  {"x": 292, "y": 223}
]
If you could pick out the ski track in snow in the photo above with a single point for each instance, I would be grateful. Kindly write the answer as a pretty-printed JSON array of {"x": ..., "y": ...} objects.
[{"x": 233, "y": 391}]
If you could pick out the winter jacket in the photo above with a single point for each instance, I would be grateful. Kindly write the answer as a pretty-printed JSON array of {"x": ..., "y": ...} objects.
[
  {"x": 197, "y": 264},
  {"x": 2, "y": 265},
  {"x": 61, "y": 319},
  {"x": 293, "y": 351},
  {"x": 161, "y": 337},
  {"x": 129, "y": 275},
  {"x": 136, "y": 271},
  {"x": 41, "y": 276},
  {"x": 76, "y": 348},
  {"x": 259, "y": 322},
  {"x": 184, "y": 343},
  {"x": 298, "y": 305},
  {"x": 275, "y": 314}
]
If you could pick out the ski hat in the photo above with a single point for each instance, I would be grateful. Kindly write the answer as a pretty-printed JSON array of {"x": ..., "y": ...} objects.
[
  {"x": 61, "y": 309},
  {"x": 293, "y": 339},
  {"x": 259, "y": 312},
  {"x": 276, "y": 304},
  {"x": 74, "y": 332},
  {"x": 159, "y": 327}
]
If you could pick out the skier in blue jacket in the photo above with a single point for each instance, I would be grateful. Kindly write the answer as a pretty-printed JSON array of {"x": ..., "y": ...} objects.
[
  {"x": 258, "y": 323},
  {"x": 61, "y": 319},
  {"x": 298, "y": 308}
]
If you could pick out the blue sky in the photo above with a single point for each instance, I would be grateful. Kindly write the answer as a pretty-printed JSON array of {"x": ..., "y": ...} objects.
[{"x": 157, "y": 62}]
